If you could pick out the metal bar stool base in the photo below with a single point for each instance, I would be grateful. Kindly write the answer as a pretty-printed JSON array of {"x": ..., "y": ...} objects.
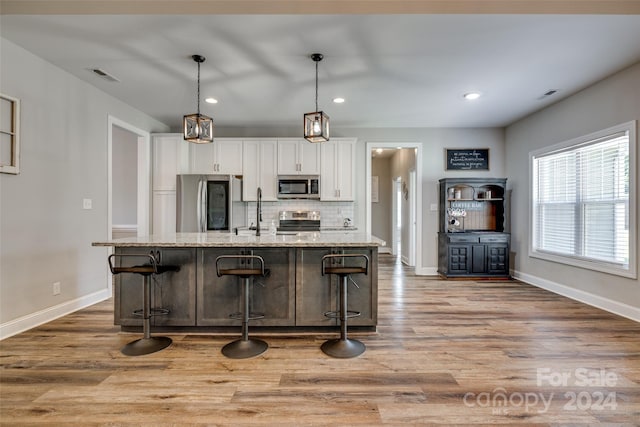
[
  {"x": 144, "y": 346},
  {"x": 241, "y": 349},
  {"x": 343, "y": 349}
]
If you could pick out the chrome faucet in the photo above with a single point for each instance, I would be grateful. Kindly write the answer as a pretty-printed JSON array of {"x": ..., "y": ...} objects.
[{"x": 258, "y": 211}]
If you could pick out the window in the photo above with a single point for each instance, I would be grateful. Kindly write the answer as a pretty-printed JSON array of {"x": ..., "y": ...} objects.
[
  {"x": 583, "y": 201},
  {"x": 9, "y": 138}
]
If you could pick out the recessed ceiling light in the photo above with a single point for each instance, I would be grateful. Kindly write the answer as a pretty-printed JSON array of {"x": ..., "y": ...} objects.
[
  {"x": 379, "y": 150},
  {"x": 211, "y": 100},
  {"x": 471, "y": 95},
  {"x": 338, "y": 100}
]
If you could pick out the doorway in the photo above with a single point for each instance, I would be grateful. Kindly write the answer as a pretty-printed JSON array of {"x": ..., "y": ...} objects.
[
  {"x": 396, "y": 218},
  {"x": 121, "y": 134},
  {"x": 410, "y": 200}
]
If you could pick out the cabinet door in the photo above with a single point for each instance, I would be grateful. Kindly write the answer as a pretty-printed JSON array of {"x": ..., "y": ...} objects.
[
  {"x": 164, "y": 212},
  {"x": 201, "y": 158},
  {"x": 309, "y": 158},
  {"x": 459, "y": 259},
  {"x": 498, "y": 258},
  {"x": 227, "y": 158},
  {"x": 176, "y": 291},
  {"x": 218, "y": 297},
  {"x": 345, "y": 173},
  {"x": 166, "y": 161},
  {"x": 288, "y": 157},
  {"x": 250, "y": 170},
  {"x": 478, "y": 259},
  {"x": 337, "y": 170},
  {"x": 259, "y": 163},
  {"x": 328, "y": 166},
  {"x": 364, "y": 297},
  {"x": 268, "y": 161},
  {"x": 315, "y": 293}
]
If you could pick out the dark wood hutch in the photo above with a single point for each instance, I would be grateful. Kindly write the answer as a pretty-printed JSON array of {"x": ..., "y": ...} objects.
[{"x": 472, "y": 241}]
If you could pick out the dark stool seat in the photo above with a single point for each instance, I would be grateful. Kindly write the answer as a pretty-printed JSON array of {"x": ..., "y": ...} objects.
[
  {"x": 343, "y": 347},
  {"x": 147, "y": 344},
  {"x": 243, "y": 348}
]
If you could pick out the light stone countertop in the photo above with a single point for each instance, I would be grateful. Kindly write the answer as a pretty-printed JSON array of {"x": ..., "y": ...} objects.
[{"x": 217, "y": 240}]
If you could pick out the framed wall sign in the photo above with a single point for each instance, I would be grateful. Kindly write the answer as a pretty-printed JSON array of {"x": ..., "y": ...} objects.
[{"x": 467, "y": 159}]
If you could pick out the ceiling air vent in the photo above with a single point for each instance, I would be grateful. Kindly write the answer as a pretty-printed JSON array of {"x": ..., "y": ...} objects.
[
  {"x": 103, "y": 74},
  {"x": 548, "y": 93}
]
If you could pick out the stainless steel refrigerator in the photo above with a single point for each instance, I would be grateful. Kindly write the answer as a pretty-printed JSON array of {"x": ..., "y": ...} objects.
[{"x": 207, "y": 203}]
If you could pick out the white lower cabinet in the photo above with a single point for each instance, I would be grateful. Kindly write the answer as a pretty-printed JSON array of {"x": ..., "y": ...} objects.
[
  {"x": 337, "y": 169},
  {"x": 164, "y": 212}
]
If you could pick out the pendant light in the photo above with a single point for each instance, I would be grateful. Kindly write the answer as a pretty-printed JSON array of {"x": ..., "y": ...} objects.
[
  {"x": 198, "y": 128},
  {"x": 316, "y": 124}
]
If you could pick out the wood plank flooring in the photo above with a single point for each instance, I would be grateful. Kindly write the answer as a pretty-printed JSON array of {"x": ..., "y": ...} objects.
[{"x": 445, "y": 352}]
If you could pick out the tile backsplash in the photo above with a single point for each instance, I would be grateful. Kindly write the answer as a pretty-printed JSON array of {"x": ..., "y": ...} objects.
[{"x": 332, "y": 214}]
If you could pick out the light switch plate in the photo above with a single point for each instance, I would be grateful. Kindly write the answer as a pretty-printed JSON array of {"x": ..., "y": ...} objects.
[{"x": 87, "y": 204}]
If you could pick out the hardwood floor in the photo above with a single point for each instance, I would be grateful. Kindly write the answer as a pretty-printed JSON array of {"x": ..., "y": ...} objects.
[{"x": 447, "y": 352}]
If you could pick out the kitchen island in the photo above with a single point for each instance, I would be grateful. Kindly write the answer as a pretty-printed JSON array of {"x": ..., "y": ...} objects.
[{"x": 294, "y": 296}]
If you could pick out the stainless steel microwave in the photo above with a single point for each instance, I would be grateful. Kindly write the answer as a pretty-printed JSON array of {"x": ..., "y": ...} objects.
[{"x": 298, "y": 187}]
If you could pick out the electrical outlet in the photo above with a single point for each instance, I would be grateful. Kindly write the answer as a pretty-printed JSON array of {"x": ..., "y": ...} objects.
[
  {"x": 56, "y": 288},
  {"x": 87, "y": 204},
  {"x": 434, "y": 207}
]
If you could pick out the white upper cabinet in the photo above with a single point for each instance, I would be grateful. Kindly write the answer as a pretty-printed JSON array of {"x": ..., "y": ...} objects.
[
  {"x": 298, "y": 157},
  {"x": 223, "y": 156},
  {"x": 259, "y": 160},
  {"x": 170, "y": 153},
  {"x": 338, "y": 169}
]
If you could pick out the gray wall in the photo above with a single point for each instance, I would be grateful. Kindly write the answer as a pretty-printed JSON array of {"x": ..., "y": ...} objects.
[
  {"x": 124, "y": 152},
  {"x": 45, "y": 235},
  {"x": 610, "y": 102},
  {"x": 381, "y": 211}
]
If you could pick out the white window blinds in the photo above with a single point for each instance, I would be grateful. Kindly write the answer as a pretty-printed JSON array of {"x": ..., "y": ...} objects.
[{"x": 580, "y": 206}]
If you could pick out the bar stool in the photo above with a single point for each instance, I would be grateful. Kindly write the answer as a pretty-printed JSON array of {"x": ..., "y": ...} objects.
[
  {"x": 343, "y": 347},
  {"x": 147, "y": 344},
  {"x": 244, "y": 347}
]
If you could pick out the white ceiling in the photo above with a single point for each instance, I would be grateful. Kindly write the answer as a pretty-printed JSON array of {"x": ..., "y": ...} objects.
[{"x": 394, "y": 70}]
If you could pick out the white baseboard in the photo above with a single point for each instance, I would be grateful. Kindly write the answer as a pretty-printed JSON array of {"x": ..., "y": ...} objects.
[
  {"x": 384, "y": 250},
  {"x": 24, "y": 323},
  {"x": 597, "y": 301},
  {"x": 428, "y": 271}
]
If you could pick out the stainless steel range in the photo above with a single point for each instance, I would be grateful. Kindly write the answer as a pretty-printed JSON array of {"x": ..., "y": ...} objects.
[{"x": 292, "y": 222}]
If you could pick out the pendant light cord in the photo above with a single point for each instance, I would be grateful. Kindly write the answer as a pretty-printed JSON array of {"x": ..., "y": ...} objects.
[
  {"x": 198, "y": 96},
  {"x": 316, "y": 85}
]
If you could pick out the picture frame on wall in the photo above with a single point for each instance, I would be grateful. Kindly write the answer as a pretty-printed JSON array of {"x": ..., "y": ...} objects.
[
  {"x": 467, "y": 159},
  {"x": 375, "y": 189}
]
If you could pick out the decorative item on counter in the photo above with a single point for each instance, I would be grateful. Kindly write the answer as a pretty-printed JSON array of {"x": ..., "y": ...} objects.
[
  {"x": 316, "y": 124},
  {"x": 347, "y": 222}
]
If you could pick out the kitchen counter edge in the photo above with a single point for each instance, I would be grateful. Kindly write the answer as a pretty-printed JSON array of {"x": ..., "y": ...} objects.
[{"x": 216, "y": 240}]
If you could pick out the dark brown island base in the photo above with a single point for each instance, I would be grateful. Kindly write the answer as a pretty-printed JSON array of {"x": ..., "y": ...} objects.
[{"x": 294, "y": 296}]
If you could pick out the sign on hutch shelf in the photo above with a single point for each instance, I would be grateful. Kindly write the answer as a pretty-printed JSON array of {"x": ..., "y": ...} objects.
[{"x": 468, "y": 159}]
